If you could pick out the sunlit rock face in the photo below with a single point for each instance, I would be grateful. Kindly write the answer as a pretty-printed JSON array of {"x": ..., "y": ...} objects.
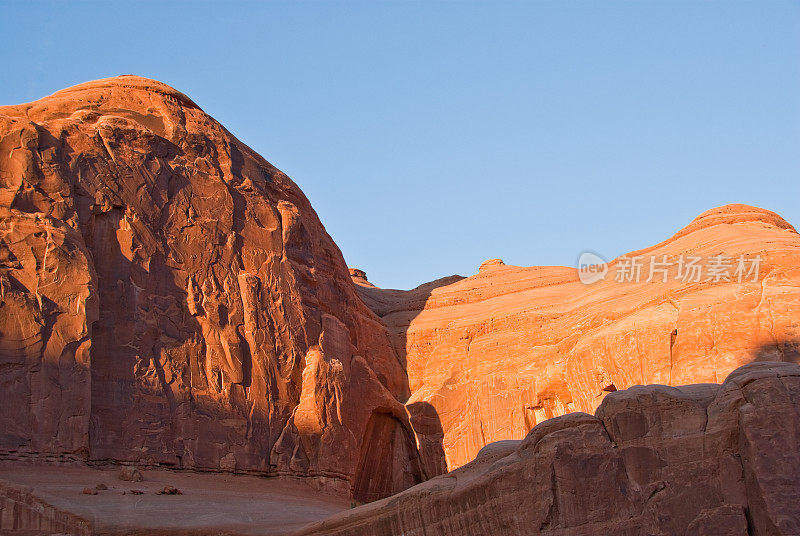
[
  {"x": 496, "y": 353},
  {"x": 169, "y": 297},
  {"x": 696, "y": 460}
]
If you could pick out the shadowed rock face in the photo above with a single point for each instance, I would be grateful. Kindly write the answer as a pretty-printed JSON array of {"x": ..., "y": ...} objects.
[
  {"x": 700, "y": 460},
  {"x": 496, "y": 353},
  {"x": 169, "y": 297}
]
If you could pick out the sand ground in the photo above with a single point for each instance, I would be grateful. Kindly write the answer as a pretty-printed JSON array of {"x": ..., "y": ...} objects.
[{"x": 209, "y": 504}]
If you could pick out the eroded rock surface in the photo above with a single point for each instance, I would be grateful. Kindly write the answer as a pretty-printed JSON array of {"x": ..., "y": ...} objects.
[
  {"x": 168, "y": 297},
  {"x": 657, "y": 460},
  {"x": 496, "y": 353}
]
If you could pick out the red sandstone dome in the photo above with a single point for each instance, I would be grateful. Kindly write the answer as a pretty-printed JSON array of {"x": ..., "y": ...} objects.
[{"x": 170, "y": 298}]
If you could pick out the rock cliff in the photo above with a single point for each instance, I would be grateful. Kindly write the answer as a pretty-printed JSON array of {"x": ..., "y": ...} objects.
[
  {"x": 168, "y": 297},
  {"x": 496, "y": 353},
  {"x": 699, "y": 460}
]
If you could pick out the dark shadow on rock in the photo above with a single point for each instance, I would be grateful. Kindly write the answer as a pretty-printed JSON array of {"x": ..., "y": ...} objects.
[
  {"x": 402, "y": 307},
  {"x": 405, "y": 303},
  {"x": 785, "y": 350},
  {"x": 389, "y": 461},
  {"x": 430, "y": 434}
]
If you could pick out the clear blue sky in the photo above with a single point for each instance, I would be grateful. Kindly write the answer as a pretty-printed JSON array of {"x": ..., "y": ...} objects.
[{"x": 431, "y": 136}]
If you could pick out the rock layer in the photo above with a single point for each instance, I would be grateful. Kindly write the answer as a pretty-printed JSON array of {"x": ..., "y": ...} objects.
[
  {"x": 699, "y": 460},
  {"x": 496, "y": 353},
  {"x": 22, "y": 512},
  {"x": 169, "y": 297}
]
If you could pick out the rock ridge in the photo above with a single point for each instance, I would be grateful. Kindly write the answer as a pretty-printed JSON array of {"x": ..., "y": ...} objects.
[{"x": 694, "y": 460}]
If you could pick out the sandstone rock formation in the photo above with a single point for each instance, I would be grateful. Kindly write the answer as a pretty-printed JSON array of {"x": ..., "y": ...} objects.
[
  {"x": 168, "y": 297},
  {"x": 496, "y": 353},
  {"x": 700, "y": 460}
]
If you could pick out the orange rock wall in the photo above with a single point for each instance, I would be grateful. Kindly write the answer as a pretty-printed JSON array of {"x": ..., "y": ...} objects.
[{"x": 496, "y": 353}]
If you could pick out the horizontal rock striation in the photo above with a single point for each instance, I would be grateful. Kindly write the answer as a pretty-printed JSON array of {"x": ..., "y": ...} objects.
[
  {"x": 698, "y": 460},
  {"x": 168, "y": 297}
]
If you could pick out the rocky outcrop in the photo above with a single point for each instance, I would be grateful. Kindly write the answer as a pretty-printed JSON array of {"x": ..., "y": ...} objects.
[
  {"x": 696, "y": 460},
  {"x": 489, "y": 264},
  {"x": 168, "y": 297},
  {"x": 22, "y": 512},
  {"x": 496, "y": 353}
]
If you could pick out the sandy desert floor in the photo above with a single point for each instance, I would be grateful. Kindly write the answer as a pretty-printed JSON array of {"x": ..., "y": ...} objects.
[{"x": 209, "y": 504}]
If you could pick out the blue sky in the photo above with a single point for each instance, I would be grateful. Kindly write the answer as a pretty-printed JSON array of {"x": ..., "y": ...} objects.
[{"x": 432, "y": 136}]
